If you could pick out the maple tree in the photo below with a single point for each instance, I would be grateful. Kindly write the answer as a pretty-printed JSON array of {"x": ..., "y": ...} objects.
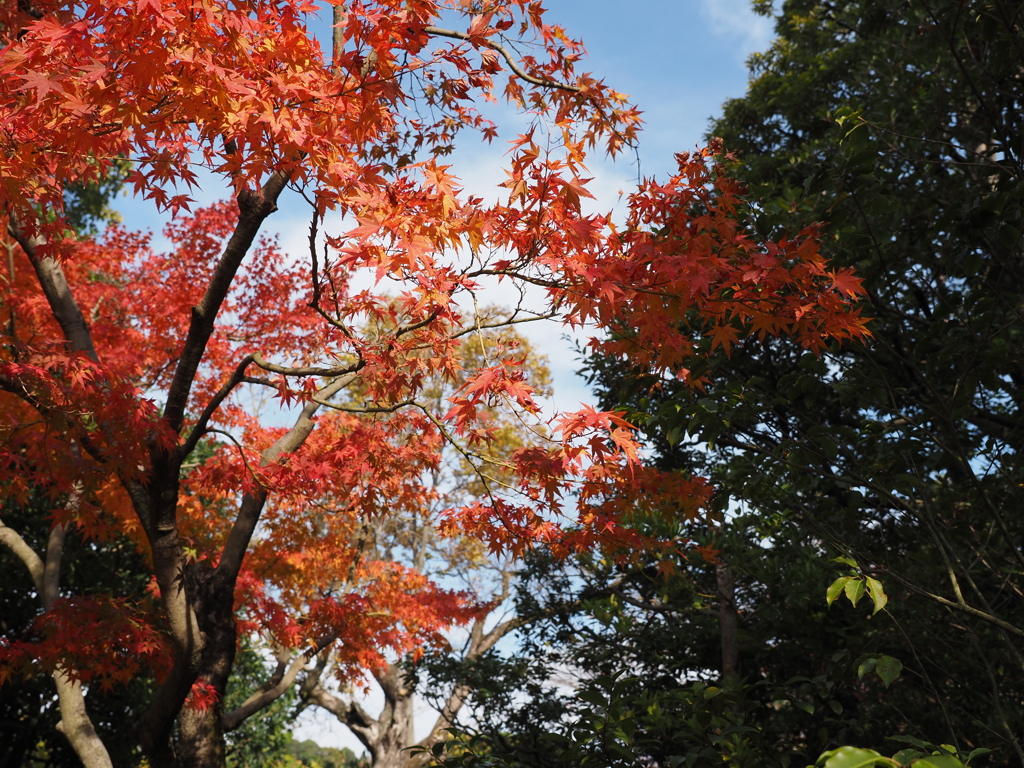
[{"x": 125, "y": 371}]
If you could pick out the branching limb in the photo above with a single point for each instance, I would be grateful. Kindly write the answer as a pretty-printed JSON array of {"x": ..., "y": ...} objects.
[
  {"x": 254, "y": 208},
  {"x": 416, "y": 326},
  {"x": 326, "y": 373},
  {"x": 963, "y": 607},
  {"x": 512, "y": 63},
  {"x": 356, "y": 719},
  {"x": 276, "y": 686},
  {"x": 503, "y": 324},
  {"x": 75, "y": 722},
  {"x": 479, "y": 644},
  {"x": 252, "y": 503},
  {"x": 363, "y": 409},
  {"x": 76, "y": 725},
  {"x": 204, "y": 418}
]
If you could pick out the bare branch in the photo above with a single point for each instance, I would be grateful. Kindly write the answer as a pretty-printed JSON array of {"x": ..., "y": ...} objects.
[
  {"x": 76, "y": 725},
  {"x": 13, "y": 540},
  {"x": 416, "y": 326},
  {"x": 355, "y": 718},
  {"x": 957, "y": 606},
  {"x": 54, "y": 552},
  {"x": 252, "y": 503},
  {"x": 503, "y": 324},
  {"x": 204, "y": 418},
  {"x": 363, "y": 409},
  {"x": 326, "y": 373}
]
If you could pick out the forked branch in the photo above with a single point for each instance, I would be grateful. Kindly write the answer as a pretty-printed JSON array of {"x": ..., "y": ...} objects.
[{"x": 509, "y": 58}]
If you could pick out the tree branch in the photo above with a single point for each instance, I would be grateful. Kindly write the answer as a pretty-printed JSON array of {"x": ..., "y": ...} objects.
[
  {"x": 254, "y": 208},
  {"x": 13, "y": 540},
  {"x": 57, "y": 291},
  {"x": 275, "y": 687},
  {"x": 252, "y": 504},
  {"x": 76, "y": 725},
  {"x": 957, "y": 606},
  {"x": 479, "y": 644},
  {"x": 513, "y": 65},
  {"x": 75, "y": 722},
  {"x": 355, "y": 718},
  {"x": 326, "y": 373},
  {"x": 204, "y": 418}
]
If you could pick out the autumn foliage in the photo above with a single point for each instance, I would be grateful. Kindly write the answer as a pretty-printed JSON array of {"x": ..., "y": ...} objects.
[{"x": 129, "y": 372}]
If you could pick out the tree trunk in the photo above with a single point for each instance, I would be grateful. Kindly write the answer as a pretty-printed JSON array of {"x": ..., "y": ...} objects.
[
  {"x": 396, "y": 723},
  {"x": 728, "y": 619},
  {"x": 76, "y": 725}
]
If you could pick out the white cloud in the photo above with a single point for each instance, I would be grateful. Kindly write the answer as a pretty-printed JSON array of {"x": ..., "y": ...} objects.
[{"x": 735, "y": 21}]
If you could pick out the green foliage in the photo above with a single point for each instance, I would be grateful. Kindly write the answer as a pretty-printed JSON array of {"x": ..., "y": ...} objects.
[
  {"x": 923, "y": 755},
  {"x": 87, "y": 206},
  {"x": 632, "y": 650},
  {"x": 896, "y": 125},
  {"x": 28, "y": 707},
  {"x": 619, "y": 723},
  {"x": 264, "y": 738},
  {"x": 309, "y": 753}
]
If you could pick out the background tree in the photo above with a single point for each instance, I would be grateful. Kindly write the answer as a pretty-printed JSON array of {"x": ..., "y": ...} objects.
[{"x": 896, "y": 125}]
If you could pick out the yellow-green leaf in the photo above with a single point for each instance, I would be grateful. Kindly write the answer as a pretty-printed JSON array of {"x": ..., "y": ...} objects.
[
  {"x": 878, "y": 596},
  {"x": 855, "y": 590},
  {"x": 851, "y": 757},
  {"x": 837, "y": 586}
]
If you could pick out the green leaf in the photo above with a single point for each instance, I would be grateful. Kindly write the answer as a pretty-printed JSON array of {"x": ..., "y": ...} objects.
[
  {"x": 888, "y": 669},
  {"x": 592, "y": 697},
  {"x": 808, "y": 708},
  {"x": 938, "y": 761},
  {"x": 836, "y": 706},
  {"x": 711, "y": 692},
  {"x": 907, "y": 756},
  {"x": 851, "y": 757},
  {"x": 855, "y": 591},
  {"x": 624, "y": 751},
  {"x": 878, "y": 596},
  {"x": 551, "y": 736},
  {"x": 846, "y": 561},
  {"x": 911, "y": 740},
  {"x": 866, "y": 667},
  {"x": 837, "y": 586},
  {"x": 976, "y": 752}
]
